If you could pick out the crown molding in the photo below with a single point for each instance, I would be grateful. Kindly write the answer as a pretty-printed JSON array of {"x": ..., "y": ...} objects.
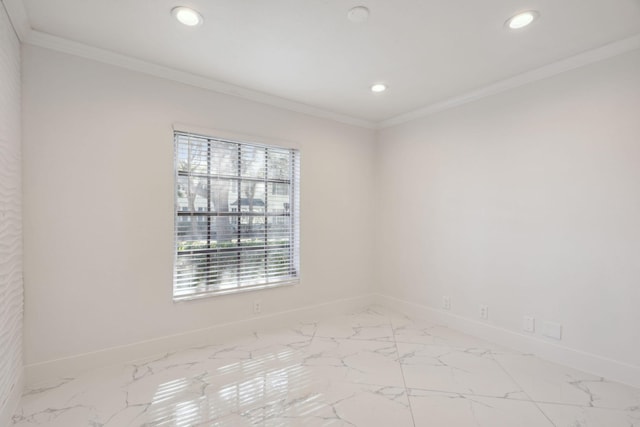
[
  {"x": 18, "y": 17},
  {"x": 577, "y": 61},
  {"x": 48, "y": 41}
]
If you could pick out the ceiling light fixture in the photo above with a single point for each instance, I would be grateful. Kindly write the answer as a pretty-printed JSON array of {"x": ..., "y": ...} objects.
[
  {"x": 187, "y": 16},
  {"x": 522, "y": 19},
  {"x": 378, "y": 87},
  {"x": 358, "y": 14}
]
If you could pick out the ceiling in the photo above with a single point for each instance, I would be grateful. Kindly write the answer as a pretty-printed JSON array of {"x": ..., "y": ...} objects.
[{"x": 307, "y": 51}]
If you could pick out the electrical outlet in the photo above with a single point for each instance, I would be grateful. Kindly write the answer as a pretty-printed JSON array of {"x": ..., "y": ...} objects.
[
  {"x": 529, "y": 324},
  {"x": 484, "y": 311},
  {"x": 552, "y": 330},
  {"x": 446, "y": 303},
  {"x": 257, "y": 306}
]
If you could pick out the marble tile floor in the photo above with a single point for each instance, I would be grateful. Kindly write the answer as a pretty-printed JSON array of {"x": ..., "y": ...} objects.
[{"x": 371, "y": 368}]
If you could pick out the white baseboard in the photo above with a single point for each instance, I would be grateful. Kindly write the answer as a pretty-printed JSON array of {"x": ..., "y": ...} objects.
[
  {"x": 75, "y": 365},
  {"x": 9, "y": 409},
  {"x": 592, "y": 363}
]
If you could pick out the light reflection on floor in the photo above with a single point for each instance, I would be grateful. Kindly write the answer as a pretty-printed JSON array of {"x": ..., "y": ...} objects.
[{"x": 188, "y": 400}]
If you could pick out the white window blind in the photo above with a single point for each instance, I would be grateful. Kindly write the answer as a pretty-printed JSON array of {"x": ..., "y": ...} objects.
[{"x": 236, "y": 216}]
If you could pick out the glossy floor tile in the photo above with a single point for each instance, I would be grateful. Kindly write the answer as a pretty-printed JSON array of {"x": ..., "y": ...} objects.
[{"x": 371, "y": 368}]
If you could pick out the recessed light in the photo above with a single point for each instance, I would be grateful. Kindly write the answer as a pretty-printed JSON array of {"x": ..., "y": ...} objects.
[
  {"x": 358, "y": 14},
  {"x": 522, "y": 19},
  {"x": 378, "y": 87},
  {"x": 187, "y": 16}
]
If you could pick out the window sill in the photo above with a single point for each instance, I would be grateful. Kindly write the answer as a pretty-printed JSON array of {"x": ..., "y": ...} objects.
[{"x": 208, "y": 293}]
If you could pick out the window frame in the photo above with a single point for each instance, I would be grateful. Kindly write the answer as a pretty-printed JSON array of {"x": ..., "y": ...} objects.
[{"x": 292, "y": 213}]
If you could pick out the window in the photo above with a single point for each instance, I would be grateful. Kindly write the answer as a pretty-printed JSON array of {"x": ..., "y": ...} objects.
[{"x": 236, "y": 216}]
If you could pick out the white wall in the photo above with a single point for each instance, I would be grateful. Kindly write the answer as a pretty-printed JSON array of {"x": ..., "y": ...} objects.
[
  {"x": 527, "y": 201},
  {"x": 10, "y": 221},
  {"x": 98, "y": 196}
]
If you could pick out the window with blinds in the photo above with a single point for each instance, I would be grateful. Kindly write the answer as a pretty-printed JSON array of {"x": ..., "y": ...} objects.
[{"x": 236, "y": 216}]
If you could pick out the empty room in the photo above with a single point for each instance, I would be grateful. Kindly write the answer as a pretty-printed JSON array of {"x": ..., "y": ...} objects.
[{"x": 409, "y": 213}]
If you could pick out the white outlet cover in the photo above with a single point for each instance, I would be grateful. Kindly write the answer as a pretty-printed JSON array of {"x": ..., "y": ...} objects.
[
  {"x": 529, "y": 324},
  {"x": 484, "y": 311},
  {"x": 552, "y": 330},
  {"x": 446, "y": 303},
  {"x": 257, "y": 306}
]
